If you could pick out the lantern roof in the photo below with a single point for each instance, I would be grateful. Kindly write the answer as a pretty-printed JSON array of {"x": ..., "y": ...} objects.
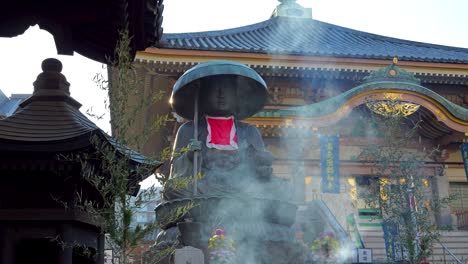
[{"x": 50, "y": 122}]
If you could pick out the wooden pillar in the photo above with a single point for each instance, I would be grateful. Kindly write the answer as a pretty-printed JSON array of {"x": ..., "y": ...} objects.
[
  {"x": 100, "y": 248},
  {"x": 7, "y": 245},
  {"x": 66, "y": 254}
]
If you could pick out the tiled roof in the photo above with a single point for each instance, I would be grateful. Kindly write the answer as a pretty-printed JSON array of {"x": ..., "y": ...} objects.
[
  {"x": 50, "y": 121},
  {"x": 9, "y": 105},
  {"x": 308, "y": 37},
  {"x": 42, "y": 121},
  {"x": 50, "y": 114}
]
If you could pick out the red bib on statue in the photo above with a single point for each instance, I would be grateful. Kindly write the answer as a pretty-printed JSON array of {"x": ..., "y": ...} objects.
[{"x": 221, "y": 133}]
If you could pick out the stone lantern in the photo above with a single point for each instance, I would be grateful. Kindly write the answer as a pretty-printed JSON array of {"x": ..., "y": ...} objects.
[{"x": 39, "y": 222}]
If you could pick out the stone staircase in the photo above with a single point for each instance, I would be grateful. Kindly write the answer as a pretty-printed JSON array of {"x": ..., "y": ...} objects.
[
  {"x": 456, "y": 241},
  {"x": 372, "y": 237}
]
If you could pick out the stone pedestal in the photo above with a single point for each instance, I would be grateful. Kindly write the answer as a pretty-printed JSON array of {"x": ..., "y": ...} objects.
[{"x": 189, "y": 255}]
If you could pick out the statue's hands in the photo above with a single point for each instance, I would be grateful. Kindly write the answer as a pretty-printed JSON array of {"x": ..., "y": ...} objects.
[
  {"x": 262, "y": 161},
  {"x": 194, "y": 145},
  {"x": 264, "y": 173},
  {"x": 263, "y": 158}
]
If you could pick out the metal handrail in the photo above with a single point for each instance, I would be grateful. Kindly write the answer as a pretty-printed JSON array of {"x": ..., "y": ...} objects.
[
  {"x": 450, "y": 253},
  {"x": 339, "y": 230}
]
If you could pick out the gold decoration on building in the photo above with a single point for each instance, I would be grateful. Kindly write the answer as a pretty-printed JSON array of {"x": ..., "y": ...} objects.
[
  {"x": 426, "y": 183},
  {"x": 392, "y": 96},
  {"x": 392, "y": 108},
  {"x": 383, "y": 188},
  {"x": 352, "y": 190}
]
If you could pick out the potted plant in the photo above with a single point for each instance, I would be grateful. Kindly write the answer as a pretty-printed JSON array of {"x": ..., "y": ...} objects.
[{"x": 325, "y": 248}]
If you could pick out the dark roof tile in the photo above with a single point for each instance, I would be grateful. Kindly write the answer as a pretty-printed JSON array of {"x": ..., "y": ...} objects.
[
  {"x": 46, "y": 121},
  {"x": 308, "y": 37},
  {"x": 50, "y": 121}
]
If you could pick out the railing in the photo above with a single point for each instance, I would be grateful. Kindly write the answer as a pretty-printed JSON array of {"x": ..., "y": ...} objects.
[
  {"x": 446, "y": 250},
  {"x": 462, "y": 219},
  {"x": 353, "y": 231},
  {"x": 326, "y": 214}
]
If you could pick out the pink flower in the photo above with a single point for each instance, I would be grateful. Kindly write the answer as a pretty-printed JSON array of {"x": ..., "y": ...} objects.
[{"x": 219, "y": 232}]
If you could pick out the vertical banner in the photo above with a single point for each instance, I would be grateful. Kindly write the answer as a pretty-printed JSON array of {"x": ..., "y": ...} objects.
[
  {"x": 391, "y": 241},
  {"x": 329, "y": 157},
  {"x": 464, "y": 153}
]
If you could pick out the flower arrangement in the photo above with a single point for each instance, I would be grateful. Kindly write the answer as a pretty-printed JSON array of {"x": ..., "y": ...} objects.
[
  {"x": 325, "y": 248},
  {"x": 222, "y": 250}
]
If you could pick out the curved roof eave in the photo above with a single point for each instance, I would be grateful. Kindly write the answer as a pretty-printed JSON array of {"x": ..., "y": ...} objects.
[
  {"x": 343, "y": 103},
  {"x": 308, "y": 37}
]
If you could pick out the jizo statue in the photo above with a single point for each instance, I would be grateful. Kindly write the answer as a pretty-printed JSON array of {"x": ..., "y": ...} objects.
[
  {"x": 220, "y": 166},
  {"x": 232, "y": 157}
]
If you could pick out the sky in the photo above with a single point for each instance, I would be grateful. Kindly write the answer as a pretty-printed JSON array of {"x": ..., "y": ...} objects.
[{"x": 434, "y": 21}]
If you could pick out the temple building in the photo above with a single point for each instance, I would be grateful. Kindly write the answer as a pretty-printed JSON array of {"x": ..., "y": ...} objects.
[{"x": 322, "y": 80}]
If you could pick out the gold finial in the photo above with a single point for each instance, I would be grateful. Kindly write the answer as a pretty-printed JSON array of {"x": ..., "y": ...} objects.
[{"x": 395, "y": 60}]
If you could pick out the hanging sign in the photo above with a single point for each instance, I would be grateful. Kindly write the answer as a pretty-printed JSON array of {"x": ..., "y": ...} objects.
[
  {"x": 364, "y": 255},
  {"x": 464, "y": 153},
  {"x": 329, "y": 157},
  {"x": 391, "y": 241}
]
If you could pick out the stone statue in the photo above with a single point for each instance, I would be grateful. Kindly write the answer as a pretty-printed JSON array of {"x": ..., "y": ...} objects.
[
  {"x": 222, "y": 171},
  {"x": 234, "y": 182}
]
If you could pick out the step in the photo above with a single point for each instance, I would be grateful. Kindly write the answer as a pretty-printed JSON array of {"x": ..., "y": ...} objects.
[
  {"x": 439, "y": 259},
  {"x": 372, "y": 235},
  {"x": 376, "y": 232},
  {"x": 373, "y": 240},
  {"x": 369, "y": 226},
  {"x": 451, "y": 239},
  {"x": 455, "y": 234},
  {"x": 453, "y": 245}
]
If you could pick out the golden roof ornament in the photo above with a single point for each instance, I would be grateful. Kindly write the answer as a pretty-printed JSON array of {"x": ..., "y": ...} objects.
[
  {"x": 392, "y": 106},
  {"x": 391, "y": 73}
]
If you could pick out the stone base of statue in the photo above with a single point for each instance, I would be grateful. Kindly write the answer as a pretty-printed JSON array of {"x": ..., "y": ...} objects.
[{"x": 260, "y": 228}]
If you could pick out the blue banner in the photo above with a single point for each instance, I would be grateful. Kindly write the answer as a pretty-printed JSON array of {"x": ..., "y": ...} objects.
[
  {"x": 329, "y": 157},
  {"x": 464, "y": 153},
  {"x": 391, "y": 240}
]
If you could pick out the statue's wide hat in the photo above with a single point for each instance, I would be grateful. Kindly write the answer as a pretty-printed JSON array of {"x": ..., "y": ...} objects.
[{"x": 251, "y": 90}]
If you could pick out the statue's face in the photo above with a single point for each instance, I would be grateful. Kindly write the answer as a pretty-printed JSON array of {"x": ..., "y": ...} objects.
[{"x": 219, "y": 98}]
